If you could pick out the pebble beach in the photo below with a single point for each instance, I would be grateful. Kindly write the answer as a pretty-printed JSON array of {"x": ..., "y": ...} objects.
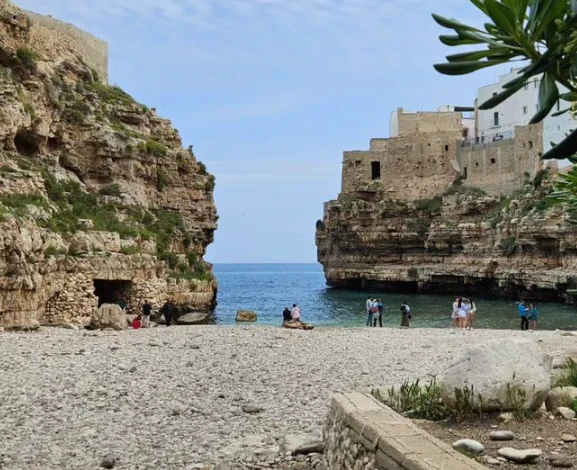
[{"x": 196, "y": 397}]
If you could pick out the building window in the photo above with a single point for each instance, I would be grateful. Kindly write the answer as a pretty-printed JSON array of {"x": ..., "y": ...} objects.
[
  {"x": 446, "y": 148},
  {"x": 465, "y": 173},
  {"x": 495, "y": 93},
  {"x": 558, "y": 105},
  {"x": 495, "y": 118},
  {"x": 526, "y": 86},
  {"x": 530, "y": 144},
  {"x": 376, "y": 170},
  {"x": 536, "y": 83},
  {"x": 476, "y": 163},
  {"x": 525, "y": 110},
  {"x": 493, "y": 161},
  {"x": 357, "y": 163}
]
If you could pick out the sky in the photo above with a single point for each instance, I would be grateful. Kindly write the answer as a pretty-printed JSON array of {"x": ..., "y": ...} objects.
[{"x": 271, "y": 92}]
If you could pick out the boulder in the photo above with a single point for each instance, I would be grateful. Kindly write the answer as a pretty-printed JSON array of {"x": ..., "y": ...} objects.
[
  {"x": 108, "y": 316},
  {"x": 560, "y": 396},
  {"x": 193, "y": 318},
  {"x": 567, "y": 413},
  {"x": 302, "y": 443},
  {"x": 246, "y": 316},
  {"x": 501, "y": 435},
  {"x": 297, "y": 325},
  {"x": 498, "y": 369},
  {"x": 469, "y": 446}
]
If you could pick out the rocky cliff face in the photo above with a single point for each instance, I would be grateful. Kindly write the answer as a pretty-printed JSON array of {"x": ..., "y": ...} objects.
[
  {"x": 462, "y": 242},
  {"x": 98, "y": 199}
]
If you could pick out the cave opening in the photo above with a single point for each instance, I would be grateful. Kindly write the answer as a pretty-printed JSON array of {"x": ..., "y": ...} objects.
[
  {"x": 113, "y": 292},
  {"x": 26, "y": 143}
]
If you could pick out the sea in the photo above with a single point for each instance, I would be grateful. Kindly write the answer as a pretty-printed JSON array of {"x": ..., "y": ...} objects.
[{"x": 268, "y": 288}]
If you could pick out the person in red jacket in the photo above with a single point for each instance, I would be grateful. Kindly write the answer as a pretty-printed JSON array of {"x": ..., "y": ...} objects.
[{"x": 136, "y": 323}]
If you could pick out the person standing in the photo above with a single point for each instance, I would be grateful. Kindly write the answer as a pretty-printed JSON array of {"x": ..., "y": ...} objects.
[
  {"x": 523, "y": 315},
  {"x": 472, "y": 314},
  {"x": 296, "y": 313},
  {"x": 405, "y": 315},
  {"x": 369, "y": 307},
  {"x": 168, "y": 312},
  {"x": 146, "y": 311},
  {"x": 286, "y": 315},
  {"x": 455, "y": 314},
  {"x": 380, "y": 309},
  {"x": 533, "y": 314}
]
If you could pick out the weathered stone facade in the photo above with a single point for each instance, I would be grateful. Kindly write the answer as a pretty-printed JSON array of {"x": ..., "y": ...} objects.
[{"x": 99, "y": 202}]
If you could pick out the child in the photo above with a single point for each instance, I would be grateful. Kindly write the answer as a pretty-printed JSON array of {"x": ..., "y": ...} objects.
[
  {"x": 376, "y": 315},
  {"x": 136, "y": 323}
]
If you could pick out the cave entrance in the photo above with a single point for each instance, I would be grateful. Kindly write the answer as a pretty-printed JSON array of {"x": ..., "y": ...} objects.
[{"x": 113, "y": 292}]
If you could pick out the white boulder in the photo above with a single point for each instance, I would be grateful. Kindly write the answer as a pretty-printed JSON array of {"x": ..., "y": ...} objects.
[
  {"x": 108, "y": 316},
  {"x": 499, "y": 372},
  {"x": 560, "y": 396}
]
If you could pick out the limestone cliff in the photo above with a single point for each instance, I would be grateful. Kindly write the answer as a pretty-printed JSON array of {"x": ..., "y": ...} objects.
[
  {"x": 98, "y": 199},
  {"x": 462, "y": 241}
]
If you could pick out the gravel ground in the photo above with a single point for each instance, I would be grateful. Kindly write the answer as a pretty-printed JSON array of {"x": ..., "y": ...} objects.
[{"x": 174, "y": 397}]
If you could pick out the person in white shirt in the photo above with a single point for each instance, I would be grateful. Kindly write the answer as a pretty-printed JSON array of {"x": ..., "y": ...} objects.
[
  {"x": 471, "y": 315},
  {"x": 296, "y": 313},
  {"x": 369, "y": 304}
]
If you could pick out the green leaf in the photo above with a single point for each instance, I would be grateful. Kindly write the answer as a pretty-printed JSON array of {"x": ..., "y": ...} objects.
[
  {"x": 469, "y": 56},
  {"x": 559, "y": 113},
  {"x": 571, "y": 96},
  {"x": 452, "y": 24},
  {"x": 565, "y": 149},
  {"x": 457, "y": 41},
  {"x": 462, "y": 68},
  {"x": 548, "y": 96},
  {"x": 502, "y": 15}
]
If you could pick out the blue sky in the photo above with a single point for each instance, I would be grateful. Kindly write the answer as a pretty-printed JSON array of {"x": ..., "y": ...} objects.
[{"x": 271, "y": 92}]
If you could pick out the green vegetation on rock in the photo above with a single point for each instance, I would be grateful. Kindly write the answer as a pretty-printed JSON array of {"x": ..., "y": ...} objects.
[
  {"x": 27, "y": 57},
  {"x": 153, "y": 147}
]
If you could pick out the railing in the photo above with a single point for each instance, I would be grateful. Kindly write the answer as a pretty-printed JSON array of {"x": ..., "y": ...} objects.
[{"x": 488, "y": 139}]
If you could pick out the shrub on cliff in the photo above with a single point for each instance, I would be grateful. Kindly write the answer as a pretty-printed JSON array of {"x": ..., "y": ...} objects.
[
  {"x": 27, "y": 58},
  {"x": 153, "y": 147},
  {"x": 110, "y": 94},
  {"x": 111, "y": 190}
]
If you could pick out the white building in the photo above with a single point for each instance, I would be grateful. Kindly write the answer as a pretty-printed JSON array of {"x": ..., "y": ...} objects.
[{"x": 518, "y": 111}]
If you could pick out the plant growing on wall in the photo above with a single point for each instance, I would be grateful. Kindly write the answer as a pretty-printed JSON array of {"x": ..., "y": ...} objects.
[{"x": 542, "y": 34}]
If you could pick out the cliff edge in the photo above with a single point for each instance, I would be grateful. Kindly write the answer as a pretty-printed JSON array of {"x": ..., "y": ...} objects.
[{"x": 99, "y": 202}]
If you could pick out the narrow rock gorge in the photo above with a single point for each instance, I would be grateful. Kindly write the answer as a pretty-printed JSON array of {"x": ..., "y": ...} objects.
[
  {"x": 461, "y": 241},
  {"x": 99, "y": 201}
]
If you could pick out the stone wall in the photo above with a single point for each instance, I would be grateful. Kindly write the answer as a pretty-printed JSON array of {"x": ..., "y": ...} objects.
[
  {"x": 502, "y": 167},
  {"x": 363, "y": 434},
  {"x": 418, "y": 164},
  {"x": 56, "y": 39}
]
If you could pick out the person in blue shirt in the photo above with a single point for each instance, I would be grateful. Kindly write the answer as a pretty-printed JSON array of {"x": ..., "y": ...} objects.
[
  {"x": 523, "y": 312},
  {"x": 533, "y": 317}
]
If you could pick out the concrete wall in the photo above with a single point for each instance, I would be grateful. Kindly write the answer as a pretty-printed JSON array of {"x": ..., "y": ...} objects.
[
  {"x": 55, "y": 39},
  {"x": 502, "y": 167},
  {"x": 363, "y": 434}
]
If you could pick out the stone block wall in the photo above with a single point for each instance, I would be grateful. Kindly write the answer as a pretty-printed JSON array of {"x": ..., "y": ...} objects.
[
  {"x": 54, "y": 38},
  {"x": 363, "y": 434},
  {"x": 502, "y": 167}
]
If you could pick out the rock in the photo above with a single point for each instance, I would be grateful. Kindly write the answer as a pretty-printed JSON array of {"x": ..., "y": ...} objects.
[
  {"x": 568, "y": 438},
  {"x": 560, "y": 461},
  {"x": 109, "y": 316},
  {"x": 193, "y": 318},
  {"x": 559, "y": 362},
  {"x": 492, "y": 461},
  {"x": 567, "y": 413},
  {"x": 560, "y": 397},
  {"x": 520, "y": 456},
  {"x": 302, "y": 444},
  {"x": 493, "y": 367},
  {"x": 297, "y": 325},
  {"x": 70, "y": 326},
  {"x": 501, "y": 435},
  {"x": 506, "y": 417},
  {"x": 246, "y": 316},
  {"x": 108, "y": 462},
  {"x": 469, "y": 446},
  {"x": 252, "y": 409}
]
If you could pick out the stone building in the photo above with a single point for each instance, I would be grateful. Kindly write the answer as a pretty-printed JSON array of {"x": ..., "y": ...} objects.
[{"x": 430, "y": 151}]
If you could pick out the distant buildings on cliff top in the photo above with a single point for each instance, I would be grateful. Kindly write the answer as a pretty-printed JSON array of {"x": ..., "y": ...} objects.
[{"x": 494, "y": 150}]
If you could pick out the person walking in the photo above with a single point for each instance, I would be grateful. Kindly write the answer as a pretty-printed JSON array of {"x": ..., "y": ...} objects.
[
  {"x": 146, "y": 311},
  {"x": 369, "y": 307},
  {"x": 533, "y": 314},
  {"x": 380, "y": 308},
  {"x": 523, "y": 311},
  {"x": 405, "y": 315},
  {"x": 455, "y": 314}
]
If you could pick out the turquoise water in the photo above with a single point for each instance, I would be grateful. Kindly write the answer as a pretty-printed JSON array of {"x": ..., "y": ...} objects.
[{"x": 268, "y": 288}]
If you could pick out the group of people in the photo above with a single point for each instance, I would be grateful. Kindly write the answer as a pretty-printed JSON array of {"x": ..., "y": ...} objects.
[
  {"x": 464, "y": 312},
  {"x": 375, "y": 309},
  {"x": 528, "y": 316},
  {"x": 142, "y": 320},
  {"x": 293, "y": 314}
]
